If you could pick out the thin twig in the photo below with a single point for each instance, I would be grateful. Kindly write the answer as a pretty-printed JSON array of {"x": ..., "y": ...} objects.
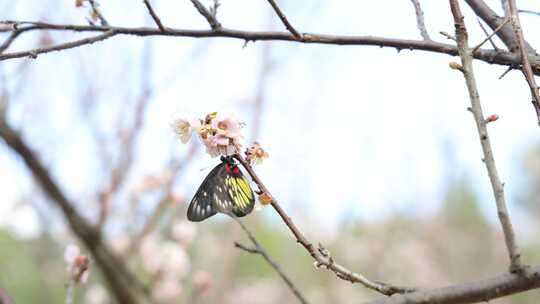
[
  {"x": 488, "y": 36},
  {"x": 63, "y": 46},
  {"x": 9, "y": 40},
  {"x": 98, "y": 13},
  {"x": 211, "y": 18},
  {"x": 506, "y": 72},
  {"x": 420, "y": 20},
  {"x": 283, "y": 19},
  {"x": 321, "y": 255},
  {"x": 260, "y": 250},
  {"x": 489, "y": 161},
  {"x": 448, "y": 36},
  {"x": 529, "y": 12},
  {"x": 154, "y": 15},
  {"x": 523, "y": 50},
  {"x": 490, "y": 17}
]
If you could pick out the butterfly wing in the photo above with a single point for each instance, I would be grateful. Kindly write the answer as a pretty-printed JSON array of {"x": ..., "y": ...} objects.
[
  {"x": 224, "y": 192},
  {"x": 202, "y": 204},
  {"x": 240, "y": 193}
]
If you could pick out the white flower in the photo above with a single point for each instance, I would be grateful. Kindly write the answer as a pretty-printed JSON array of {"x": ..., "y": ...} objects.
[{"x": 184, "y": 128}]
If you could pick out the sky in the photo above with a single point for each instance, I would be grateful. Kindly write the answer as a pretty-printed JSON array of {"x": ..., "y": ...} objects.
[{"x": 352, "y": 131}]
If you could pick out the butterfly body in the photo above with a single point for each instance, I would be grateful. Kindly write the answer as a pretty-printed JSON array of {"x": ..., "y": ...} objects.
[{"x": 225, "y": 190}]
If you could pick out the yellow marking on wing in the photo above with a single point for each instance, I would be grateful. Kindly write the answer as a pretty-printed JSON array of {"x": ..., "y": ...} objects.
[{"x": 245, "y": 187}]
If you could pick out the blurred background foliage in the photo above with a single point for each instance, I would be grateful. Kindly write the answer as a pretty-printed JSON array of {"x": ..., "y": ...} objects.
[{"x": 454, "y": 245}]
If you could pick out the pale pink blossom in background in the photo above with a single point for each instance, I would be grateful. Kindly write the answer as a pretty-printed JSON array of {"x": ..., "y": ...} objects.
[
  {"x": 71, "y": 252},
  {"x": 184, "y": 232},
  {"x": 167, "y": 290},
  {"x": 202, "y": 280},
  {"x": 174, "y": 259},
  {"x": 149, "y": 251},
  {"x": 164, "y": 257},
  {"x": 96, "y": 294},
  {"x": 120, "y": 244}
]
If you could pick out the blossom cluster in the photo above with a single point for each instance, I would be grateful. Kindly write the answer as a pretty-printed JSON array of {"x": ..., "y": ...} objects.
[{"x": 220, "y": 133}]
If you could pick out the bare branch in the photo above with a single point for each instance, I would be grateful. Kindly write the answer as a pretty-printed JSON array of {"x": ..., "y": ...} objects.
[
  {"x": 487, "y": 34},
  {"x": 98, "y": 13},
  {"x": 471, "y": 292},
  {"x": 489, "y": 56},
  {"x": 529, "y": 12},
  {"x": 211, "y": 18},
  {"x": 9, "y": 40},
  {"x": 283, "y": 19},
  {"x": 321, "y": 255},
  {"x": 69, "y": 45},
  {"x": 154, "y": 15},
  {"x": 123, "y": 285},
  {"x": 420, "y": 20},
  {"x": 523, "y": 50},
  {"x": 489, "y": 161},
  {"x": 260, "y": 250},
  {"x": 488, "y": 38},
  {"x": 506, "y": 34}
]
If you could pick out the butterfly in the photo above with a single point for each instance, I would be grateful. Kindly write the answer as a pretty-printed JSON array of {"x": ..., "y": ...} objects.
[{"x": 225, "y": 190}]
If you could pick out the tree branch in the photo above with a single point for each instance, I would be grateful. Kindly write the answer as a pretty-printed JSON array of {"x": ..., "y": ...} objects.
[
  {"x": 523, "y": 50},
  {"x": 470, "y": 292},
  {"x": 489, "y": 56},
  {"x": 122, "y": 284},
  {"x": 488, "y": 38},
  {"x": 321, "y": 255},
  {"x": 506, "y": 34},
  {"x": 420, "y": 20},
  {"x": 9, "y": 40},
  {"x": 211, "y": 18},
  {"x": 284, "y": 20},
  {"x": 261, "y": 251},
  {"x": 98, "y": 13},
  {"x": 69, "y": 45},
  {"x": 154, "y": 15},
  {"x": 476, "y": 108}
]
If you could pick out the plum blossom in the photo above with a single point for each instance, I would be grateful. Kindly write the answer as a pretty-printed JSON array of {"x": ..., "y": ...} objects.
[
  {"x": 77, "y": 264},
  {"x": 184, "y": 128},
  {"x": 256, "y": 154},
  {"x": 220, "y": 133}
]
